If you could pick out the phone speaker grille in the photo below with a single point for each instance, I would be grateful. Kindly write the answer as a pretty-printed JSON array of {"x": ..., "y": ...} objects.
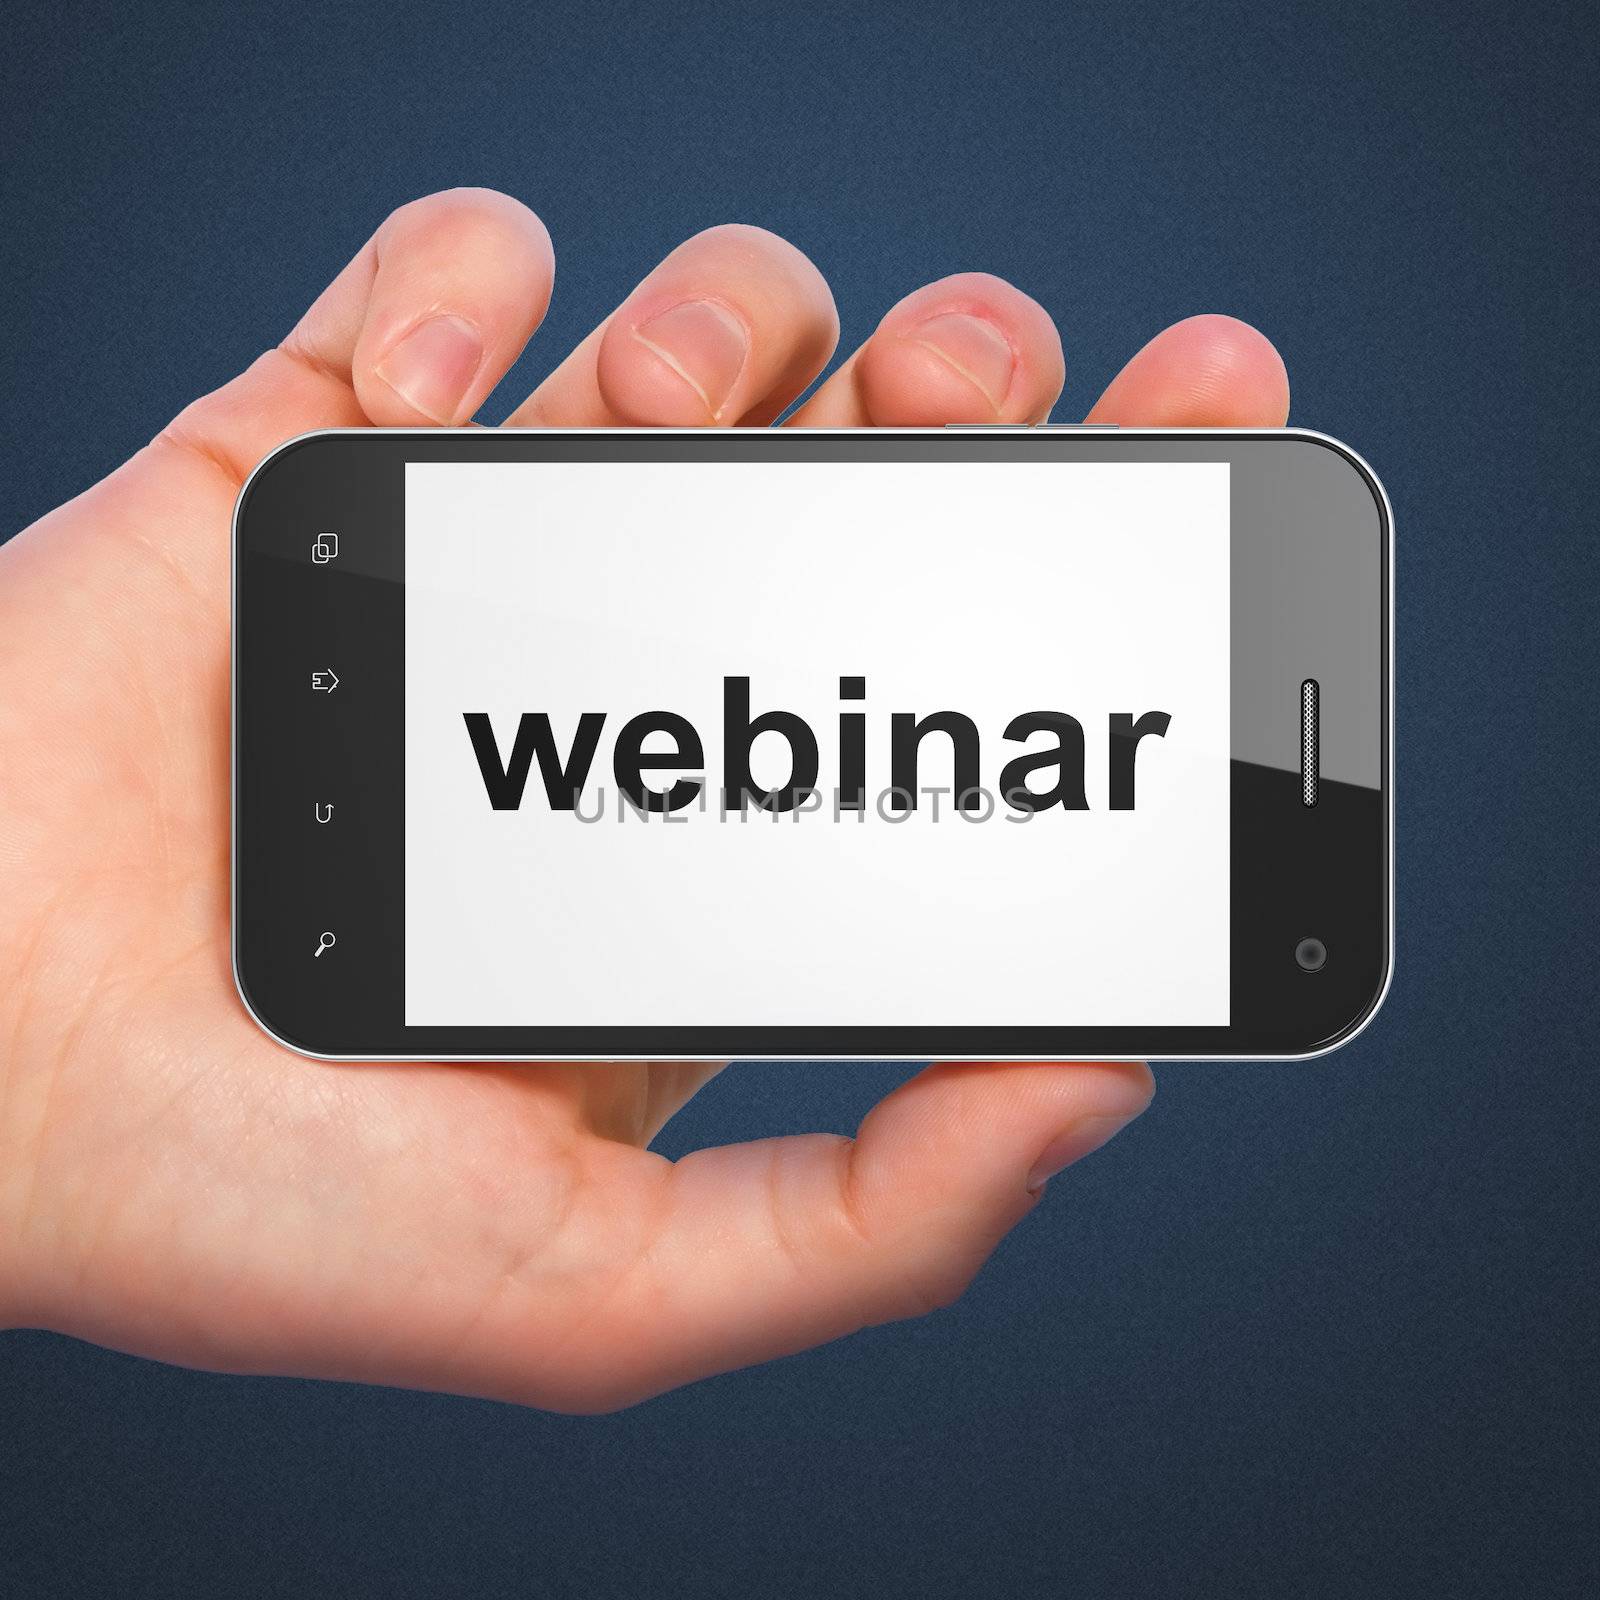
[{"x": 1310, "y": 744}]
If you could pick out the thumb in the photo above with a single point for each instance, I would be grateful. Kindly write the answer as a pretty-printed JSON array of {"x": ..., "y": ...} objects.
[
  {"x": 767, "y": 1248},
  {"x": 944, "y": 1167}
]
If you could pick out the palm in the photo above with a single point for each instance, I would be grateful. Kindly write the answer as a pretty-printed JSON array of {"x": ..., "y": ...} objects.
[
  {"x": 185, "y": 1187},
  {"x": 165, "y": 1091}
]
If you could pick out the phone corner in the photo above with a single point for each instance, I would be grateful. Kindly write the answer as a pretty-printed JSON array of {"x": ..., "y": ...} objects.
[
  {"x": 275, "y": 458},
  {"x": 253, "y": 1010},
  {"x": 1363, "y": 469},
  {"x": 1363, "y": 1019}
]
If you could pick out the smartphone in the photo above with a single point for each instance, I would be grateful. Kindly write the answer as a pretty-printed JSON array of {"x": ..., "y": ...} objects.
[{"x": 1010, "y": 743}]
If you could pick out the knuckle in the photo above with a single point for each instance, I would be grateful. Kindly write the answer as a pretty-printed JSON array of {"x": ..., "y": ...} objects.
[
  {"x": 980, "y": 283},
  {"x": 935, "y": 1284},
  {"x": 910, "y": 1283},
  {"x": 584, "y": 1393},
  {"x": 746, "y": 244},
  {"x": 465, "y": 211},
  {"x": 746, "y": 236}
]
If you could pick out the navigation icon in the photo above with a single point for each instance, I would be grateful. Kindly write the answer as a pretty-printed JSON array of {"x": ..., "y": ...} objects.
[
  {"x": 325, "y": 548},
  {"x": 324, "y": 809},
  {"x": 326, "y": 681}
]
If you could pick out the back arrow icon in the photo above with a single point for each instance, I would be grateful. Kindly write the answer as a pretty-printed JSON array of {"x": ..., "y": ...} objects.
[{"x": 327, "y": 681}]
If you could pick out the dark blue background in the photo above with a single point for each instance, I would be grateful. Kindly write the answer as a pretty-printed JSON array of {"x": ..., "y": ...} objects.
[{"x": 1318, "y": 1330}]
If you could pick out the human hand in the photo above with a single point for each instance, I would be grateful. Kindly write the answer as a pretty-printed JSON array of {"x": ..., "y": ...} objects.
[{"x": 174, "y": 1183}]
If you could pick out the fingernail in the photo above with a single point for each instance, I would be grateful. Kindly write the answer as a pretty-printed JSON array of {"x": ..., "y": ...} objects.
[
  {"x": 1083, "y": 1138},
  {"x": 432, "y": 368},
  {"x": 704, "y": 344},
  {"x": 975, "y": 348}
]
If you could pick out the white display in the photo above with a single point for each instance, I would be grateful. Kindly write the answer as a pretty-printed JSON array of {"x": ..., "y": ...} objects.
[{"x": 549, "y": 605}]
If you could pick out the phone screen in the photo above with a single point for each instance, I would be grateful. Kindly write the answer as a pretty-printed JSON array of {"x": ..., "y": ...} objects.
[
  {"x": 775, "y": 742},
  {"x": 699, "y": 743}
]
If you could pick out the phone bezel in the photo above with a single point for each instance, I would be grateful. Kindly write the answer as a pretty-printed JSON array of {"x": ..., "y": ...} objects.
[{"x": 366, "y": 484}]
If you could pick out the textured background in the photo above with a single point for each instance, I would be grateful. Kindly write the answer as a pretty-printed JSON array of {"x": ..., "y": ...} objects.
[{"x": 1317, "y": 1330}]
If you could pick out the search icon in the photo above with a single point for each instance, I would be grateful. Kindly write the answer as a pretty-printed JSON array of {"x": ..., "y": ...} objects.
[{"x": 326, "y": 942}]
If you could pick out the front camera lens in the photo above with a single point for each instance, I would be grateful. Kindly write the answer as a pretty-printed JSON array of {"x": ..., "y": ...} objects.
[{"x": 1312, "y": 954}]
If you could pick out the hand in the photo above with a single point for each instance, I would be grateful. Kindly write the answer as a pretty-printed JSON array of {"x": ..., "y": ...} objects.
[{"x": 172, "y": 1182}]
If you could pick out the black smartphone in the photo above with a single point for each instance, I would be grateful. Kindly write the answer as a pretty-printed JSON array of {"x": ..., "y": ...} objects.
[{"x": 1011, "y": 743}]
